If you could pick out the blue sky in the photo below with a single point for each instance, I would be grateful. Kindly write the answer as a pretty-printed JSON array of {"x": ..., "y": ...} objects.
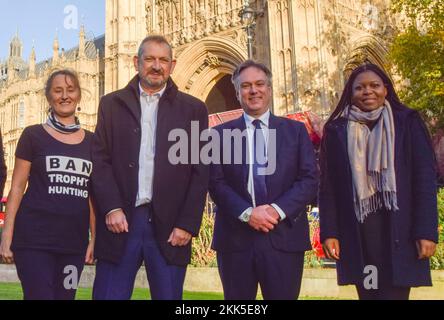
[{"x": 41, "y": 20}]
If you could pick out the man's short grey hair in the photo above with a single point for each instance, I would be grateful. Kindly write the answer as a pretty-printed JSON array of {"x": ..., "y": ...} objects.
[
  {"x": 157, "y": 39},
  {"x": 248, "y": 64}
]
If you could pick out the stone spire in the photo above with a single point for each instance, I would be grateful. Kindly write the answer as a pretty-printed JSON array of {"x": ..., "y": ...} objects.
[
  {"x": 82, "y": 42},
  {"x": 55, "y": 49},
  {"x": 32, "y": 63},
  {"x": 15, "y": 47}
]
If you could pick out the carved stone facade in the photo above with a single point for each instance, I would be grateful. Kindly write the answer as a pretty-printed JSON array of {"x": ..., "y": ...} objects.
[
  {"x": 22, "y": 88},
  {"x": 310, "y": 46},
  {"x": 206, "y": 35},
  {"x": 313, "y": 45}
]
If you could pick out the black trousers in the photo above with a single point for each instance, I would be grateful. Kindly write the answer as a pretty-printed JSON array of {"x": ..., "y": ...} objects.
[
  {"x": 375, "y": 244},
  {"x": 48, "y": 276},
  {"x": 383, "y": 293}
]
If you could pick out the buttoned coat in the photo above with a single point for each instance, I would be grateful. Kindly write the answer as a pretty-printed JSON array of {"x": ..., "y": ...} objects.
[
  {"x": 416, "y": 194},
  {"x": 179, "y": 190}
]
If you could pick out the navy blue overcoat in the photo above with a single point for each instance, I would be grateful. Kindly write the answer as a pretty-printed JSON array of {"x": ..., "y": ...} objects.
[{"x": 416, "y": 193}]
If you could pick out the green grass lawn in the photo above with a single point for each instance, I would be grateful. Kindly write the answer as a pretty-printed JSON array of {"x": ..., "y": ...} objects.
[{"x": 13, "y": 291}]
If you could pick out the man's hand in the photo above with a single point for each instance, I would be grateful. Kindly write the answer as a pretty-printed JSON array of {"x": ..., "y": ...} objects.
[
  {"x": 179, "y": 238},
  {"x": 331, "y": 248},
  {"x": 116, "y": 222},
  {"x": 426, "y": 248},
  {"x": 263, "y": 220},
  {"x": 273, "y": 212}
]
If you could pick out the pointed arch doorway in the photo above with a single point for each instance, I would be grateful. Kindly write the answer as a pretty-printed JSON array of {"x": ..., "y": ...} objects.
[
  {"x": 204, "y": 70},
  {"x": 222, "y": 97}
]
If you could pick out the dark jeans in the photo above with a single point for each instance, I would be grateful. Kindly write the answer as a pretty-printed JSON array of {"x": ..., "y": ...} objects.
[
  {"x": 48, "y": 276},
  {"x": 116, "y": 281}
]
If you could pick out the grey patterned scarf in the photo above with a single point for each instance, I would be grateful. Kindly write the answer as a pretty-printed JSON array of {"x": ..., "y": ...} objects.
[
  {"x": 54, "y": 123},
  {"x": 371, "y": 154}
]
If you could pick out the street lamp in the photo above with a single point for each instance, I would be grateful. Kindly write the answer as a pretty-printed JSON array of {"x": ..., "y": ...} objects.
[{"x": 248, "y": 18}]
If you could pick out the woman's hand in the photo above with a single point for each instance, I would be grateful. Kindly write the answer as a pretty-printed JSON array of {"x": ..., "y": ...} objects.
[
  {"x": 22, "y": 168},
  {"x": 426, "y": 248},
  {"x": 331, "y": 248},
  {"x": 89, "y": 257},
  {"x": 5, "y": 249}
]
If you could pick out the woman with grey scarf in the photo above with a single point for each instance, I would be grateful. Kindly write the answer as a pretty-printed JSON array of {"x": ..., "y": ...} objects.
[{"x": 377, "y": 196}]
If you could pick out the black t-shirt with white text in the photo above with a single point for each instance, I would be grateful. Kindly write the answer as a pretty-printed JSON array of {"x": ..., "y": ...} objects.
[{"x": 54, "y": 212}]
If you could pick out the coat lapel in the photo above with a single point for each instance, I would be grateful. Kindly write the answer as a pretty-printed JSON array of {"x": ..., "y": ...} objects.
[
  {"x": 130, "y": 97},
  {"x": 166, "y": 102},
  {"x": 341, "y": 126},
  {"x": 338, "y": 130},
  {"x": 399, "y": 132}
]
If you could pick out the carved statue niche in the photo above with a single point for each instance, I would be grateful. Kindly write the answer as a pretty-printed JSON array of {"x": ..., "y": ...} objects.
[
  {"x": 149, "y": 21},
  {"x": 222, "y": 14},
  {"x": 176, "y": 14},
  {"x": 160, "y": 12},
  {"x": 168, "y": 20},
  {"x": 199, "y": 20},
  {"x": 209, "y": 24},
  {"x": 188, "y": 22}
]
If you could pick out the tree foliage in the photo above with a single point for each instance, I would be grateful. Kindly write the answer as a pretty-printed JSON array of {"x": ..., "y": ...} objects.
[{"x": 417, "y": 52}]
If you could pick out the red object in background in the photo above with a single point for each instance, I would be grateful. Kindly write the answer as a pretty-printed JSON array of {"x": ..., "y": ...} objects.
[
  {"x": 2, "y": 211},
  {"x": 222, "y": 117},
  {"x": 316, "y": 244},
  {"x": 312, "y": 122}
]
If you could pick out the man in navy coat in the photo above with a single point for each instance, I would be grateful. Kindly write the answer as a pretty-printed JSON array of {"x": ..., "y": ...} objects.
[
  {"x": 148, "y": 207},
  {"x": 261, "y": 185}
]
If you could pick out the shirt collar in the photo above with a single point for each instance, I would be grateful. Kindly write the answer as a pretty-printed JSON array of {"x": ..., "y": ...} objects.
[
  {"x": 158, "y": 93},
  {"x": 263, "y": 118}
]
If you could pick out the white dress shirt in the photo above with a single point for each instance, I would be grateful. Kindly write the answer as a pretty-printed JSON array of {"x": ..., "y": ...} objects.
[
  {"x": 250, "y": 133},
  {"x": 149, "y": 105}
]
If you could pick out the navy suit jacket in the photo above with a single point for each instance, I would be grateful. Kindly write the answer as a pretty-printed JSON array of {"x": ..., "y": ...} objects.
[{"x": 292, "y": 186}]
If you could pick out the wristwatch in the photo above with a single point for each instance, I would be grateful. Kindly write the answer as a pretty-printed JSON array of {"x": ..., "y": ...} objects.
[{"x": 245, "y": 217}]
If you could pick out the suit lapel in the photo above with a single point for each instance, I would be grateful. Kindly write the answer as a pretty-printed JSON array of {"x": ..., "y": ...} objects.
[
  {"x": 274, "y": 123},
  {"x": 239, "y": 124}
]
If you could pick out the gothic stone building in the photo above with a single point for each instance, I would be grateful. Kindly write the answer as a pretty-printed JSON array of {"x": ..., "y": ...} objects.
[{"x": 310, "y": 46}]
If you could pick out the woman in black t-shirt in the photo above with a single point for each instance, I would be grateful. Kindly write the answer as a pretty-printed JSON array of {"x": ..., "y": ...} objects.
[{"x": 46, "y": 228}]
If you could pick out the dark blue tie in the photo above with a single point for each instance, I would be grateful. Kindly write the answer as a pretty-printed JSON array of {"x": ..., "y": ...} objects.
[{"x": 259, "y": 162}]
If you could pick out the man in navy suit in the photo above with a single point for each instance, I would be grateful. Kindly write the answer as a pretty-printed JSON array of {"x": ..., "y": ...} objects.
[{"x": 261, "y": 229}]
